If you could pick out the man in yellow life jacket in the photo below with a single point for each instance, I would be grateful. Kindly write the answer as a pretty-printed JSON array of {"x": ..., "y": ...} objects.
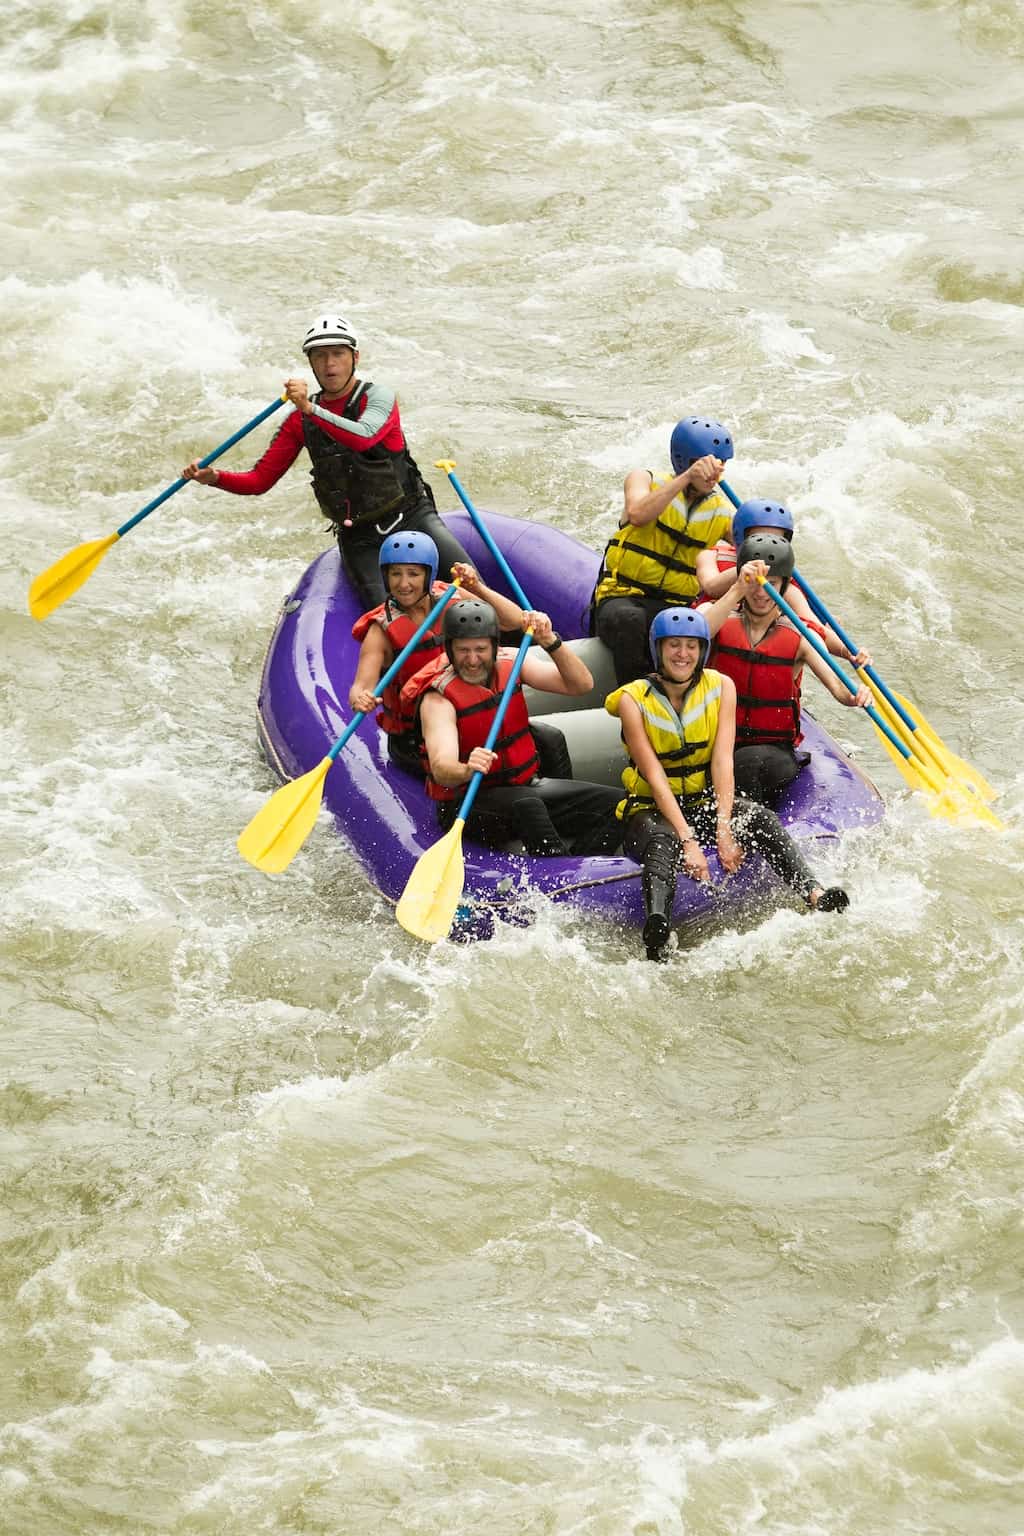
[
  {"x": 679, "y": 728},
  {"x": 650, "y": 562},
  {"x": 455, "y": 699}
]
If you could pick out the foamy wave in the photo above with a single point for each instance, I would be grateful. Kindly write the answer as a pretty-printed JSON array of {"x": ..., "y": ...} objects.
[
  {"x": 781, "y": 341},
  {"x": 116, "y": 329},
  {"x": 868, "y": 253}
]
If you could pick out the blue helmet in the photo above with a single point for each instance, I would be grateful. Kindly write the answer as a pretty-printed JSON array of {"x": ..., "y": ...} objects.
[
  {"x": 761, "y": 514},
  {"x": 410, "y": 549},
  {"x": 695, "y": 436},
  {"x": 679, "y": 621}
]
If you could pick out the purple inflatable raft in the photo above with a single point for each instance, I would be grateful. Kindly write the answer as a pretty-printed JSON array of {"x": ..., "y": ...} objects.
[{"x": 384, "y": 814}]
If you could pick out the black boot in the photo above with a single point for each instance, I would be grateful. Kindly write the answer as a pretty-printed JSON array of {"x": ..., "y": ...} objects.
[
  {"x": 834, "y": 899},
  {"x": 659, "y": 884}
]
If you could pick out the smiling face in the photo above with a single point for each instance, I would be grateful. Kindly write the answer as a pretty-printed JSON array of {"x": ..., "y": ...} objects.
[
  {"x": 473, "y": 660},
  {"x": 758, "y": 602},
  {"x": 680, "y": 657},
  {"x": 334, "y": 368},
  {"x": 407, "y": 584}
]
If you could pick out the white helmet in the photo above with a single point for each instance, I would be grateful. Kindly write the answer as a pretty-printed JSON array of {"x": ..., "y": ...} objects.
[{"x": 329, "y": 331}]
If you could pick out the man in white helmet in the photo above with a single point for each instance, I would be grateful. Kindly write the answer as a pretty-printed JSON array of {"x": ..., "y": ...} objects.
[{"x": 364, "y": 476}]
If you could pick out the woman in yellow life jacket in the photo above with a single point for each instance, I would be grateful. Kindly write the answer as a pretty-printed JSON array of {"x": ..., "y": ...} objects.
[
  {"x": 650, "y": 562},
  {"x": 679, "y": 730}
]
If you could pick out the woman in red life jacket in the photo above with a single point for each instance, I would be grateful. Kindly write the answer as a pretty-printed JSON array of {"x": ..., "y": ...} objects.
[
  {"x": 759, "y": 649},
  {"x": 456, "y": 697},
  {"x": 716, "y": 569},
  {"x": 364, "y": 477},
  {"x": 408, "y": 565}
]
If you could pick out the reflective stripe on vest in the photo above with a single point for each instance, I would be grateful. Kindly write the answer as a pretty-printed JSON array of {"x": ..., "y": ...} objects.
[
  {"x": 683, "y": 743},
  {"x": 400, "y": 628},
  {"x": 767, "y": 692},
  {"x": 659, "y": 559},
  {"x": 474, "y": 712}
]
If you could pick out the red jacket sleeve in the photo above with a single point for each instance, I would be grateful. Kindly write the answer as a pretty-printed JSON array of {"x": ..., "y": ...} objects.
[
  {"x": 284, "y": 449},
  {"x": 378, "y": 422}
]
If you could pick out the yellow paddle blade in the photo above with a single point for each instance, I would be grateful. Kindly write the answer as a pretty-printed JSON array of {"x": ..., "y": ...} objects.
[
  {"x": 279, "y": 828},
  {"x": 433, "y": 891},
  {"x": 965, "y": 806},
  {"x": 929, "y": 751},
  {"x": 57, "y": 583},
  {"x": 946, "y": 798},
  {"x": 971, "y": 776}
]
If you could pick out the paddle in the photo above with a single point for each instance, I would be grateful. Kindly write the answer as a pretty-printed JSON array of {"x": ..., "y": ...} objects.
[
  {"x": 432, "y": 892},
  {"x": 71, "y": 571},
  {"x": 892, "y": 705},
  {"x": 901, "y": 715},
  {"x": 279, "y": 829},
  {"x": 448, "y": 465},
  {"x": 942, "y": 799}
]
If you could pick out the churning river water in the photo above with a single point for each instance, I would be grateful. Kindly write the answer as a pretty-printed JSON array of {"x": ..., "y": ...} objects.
[{"x": 305, "y": 1228}]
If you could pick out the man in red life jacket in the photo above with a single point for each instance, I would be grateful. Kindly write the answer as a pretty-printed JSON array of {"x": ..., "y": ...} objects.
[
  {"x": 364, "y": 476},
  {"x": 456, "y": 697},
  {"x": 759, "y": 649},
  {"x": 716, "y": 569},
  {"x": 408, "y": 564}
]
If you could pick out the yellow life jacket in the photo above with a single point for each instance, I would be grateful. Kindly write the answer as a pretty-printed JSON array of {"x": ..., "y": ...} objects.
[
  {"x": 683, "y": 742},
  {"x": 659, "y": 559}
]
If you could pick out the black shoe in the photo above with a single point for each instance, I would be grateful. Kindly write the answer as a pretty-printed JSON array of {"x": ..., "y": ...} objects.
[
  {"x": 834, "y": 899},
  {"x": 655, "y": 935}
]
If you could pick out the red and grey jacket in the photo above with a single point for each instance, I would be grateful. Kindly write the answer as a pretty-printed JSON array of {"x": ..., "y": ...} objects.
[
  {"x": 474, "y": 711},
  {"x": 767, "y": 692},
  {"x": 400, "y": 628},
  {"x": 376, "y": 482}
]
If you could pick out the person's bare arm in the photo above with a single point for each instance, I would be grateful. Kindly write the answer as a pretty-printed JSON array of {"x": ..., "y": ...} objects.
[
  {"x": 723, "y": 778},
  {"x": 375, "y": 656},
  {"x": 713, "y": 582},
  {"x": 441, "y": 739},
  {"x": 561, "y": 672}
]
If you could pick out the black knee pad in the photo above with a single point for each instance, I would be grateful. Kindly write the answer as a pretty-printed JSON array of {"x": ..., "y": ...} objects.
[{"x": 661, "y": 857}]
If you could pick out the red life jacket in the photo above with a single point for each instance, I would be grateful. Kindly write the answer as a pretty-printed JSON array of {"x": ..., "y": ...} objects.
[
  {"x": 474, "y": 711},
  {"x": 400, "y": 628},
  {"x": 767, "y": 693}
]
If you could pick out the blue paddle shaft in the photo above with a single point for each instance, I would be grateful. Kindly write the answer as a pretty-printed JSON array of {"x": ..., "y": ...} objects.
[
  {"x": 158, "y": 501},
  {"x": 395, "y": 666},
  {"x": 821, "y": 613},
  {"x": 496, "y": 724},
  {"x": 481, "y": 528},
  {"x": 816, "y": 645}
]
